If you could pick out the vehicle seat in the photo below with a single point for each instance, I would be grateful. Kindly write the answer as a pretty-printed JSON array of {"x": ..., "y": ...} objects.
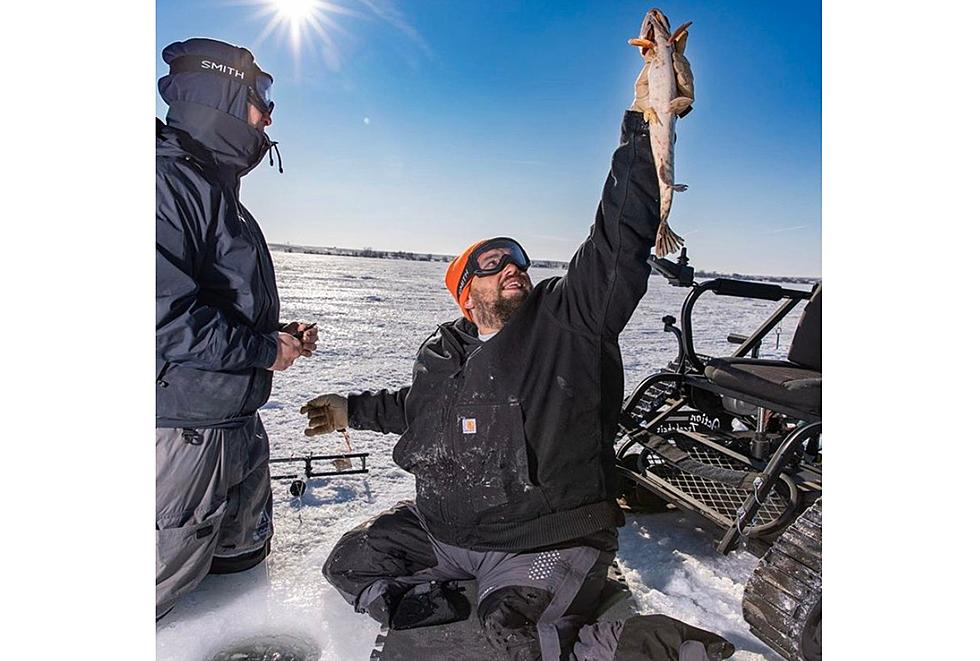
[{"x": 795, "y": 382}]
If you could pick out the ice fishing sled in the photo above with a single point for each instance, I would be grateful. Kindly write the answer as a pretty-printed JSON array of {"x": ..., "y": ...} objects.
[
  {"x": 737, "y": 440},
  {"x": 464, "y": 640}
]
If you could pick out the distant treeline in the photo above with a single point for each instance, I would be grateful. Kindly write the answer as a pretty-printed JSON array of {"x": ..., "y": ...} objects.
[
  {"x": 540, "y": 263},
  {"x": 808, "y": 280},
  {"x": 393, "y": 254}
]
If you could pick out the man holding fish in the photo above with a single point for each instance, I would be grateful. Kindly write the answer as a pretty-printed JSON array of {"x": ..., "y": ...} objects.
[{"x": 509, "y": 421}]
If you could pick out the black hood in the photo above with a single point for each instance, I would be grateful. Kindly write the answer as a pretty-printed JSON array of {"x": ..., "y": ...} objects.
[{"x": 211, "y": 108}]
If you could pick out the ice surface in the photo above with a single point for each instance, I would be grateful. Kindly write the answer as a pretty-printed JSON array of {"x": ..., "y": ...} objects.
[{"x": 373, "y": 314}]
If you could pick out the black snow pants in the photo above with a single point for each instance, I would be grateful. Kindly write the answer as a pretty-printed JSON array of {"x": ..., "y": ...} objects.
[{"x": 537, "y": 605}]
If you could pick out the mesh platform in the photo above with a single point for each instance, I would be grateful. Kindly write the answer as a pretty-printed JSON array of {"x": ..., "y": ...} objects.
[{"x": 722, "y": 498}]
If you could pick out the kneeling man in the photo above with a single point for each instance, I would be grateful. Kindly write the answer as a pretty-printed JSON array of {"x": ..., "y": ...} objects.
[{"x": 508, "y": 427}]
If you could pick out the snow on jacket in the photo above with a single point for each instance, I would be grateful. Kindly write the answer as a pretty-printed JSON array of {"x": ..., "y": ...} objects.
[
  {"x": 510, "y": 440},
  {"x": 217, "y": 303}
]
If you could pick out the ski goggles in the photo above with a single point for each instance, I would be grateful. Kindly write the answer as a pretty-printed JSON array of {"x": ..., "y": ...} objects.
[
  {"x": 491, "y": 258},
  {"x": 260, "y": 92},
  {"x": 258, "y": 82}
]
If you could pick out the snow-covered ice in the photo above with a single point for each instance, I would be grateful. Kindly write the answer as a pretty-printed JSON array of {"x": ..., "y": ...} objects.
[{"x": 373, "y": 314}]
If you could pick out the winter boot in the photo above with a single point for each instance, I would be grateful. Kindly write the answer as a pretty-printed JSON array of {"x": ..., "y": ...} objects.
[{"x": 429, "y": 604}]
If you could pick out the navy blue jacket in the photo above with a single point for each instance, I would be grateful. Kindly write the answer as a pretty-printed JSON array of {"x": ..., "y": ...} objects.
[{"x": 217, "y": 307}]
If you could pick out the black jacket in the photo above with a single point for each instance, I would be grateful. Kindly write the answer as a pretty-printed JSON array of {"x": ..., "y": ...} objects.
[
  {"x": 541, "y": 398},
  {"x": 217, "y": 304}
]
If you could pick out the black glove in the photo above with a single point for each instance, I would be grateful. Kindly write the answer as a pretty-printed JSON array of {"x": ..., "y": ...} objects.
[{"x": 658, "y": 637}]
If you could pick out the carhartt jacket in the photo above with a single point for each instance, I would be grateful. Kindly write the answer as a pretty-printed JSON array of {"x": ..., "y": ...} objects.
[{"x": 510, "y": 440}]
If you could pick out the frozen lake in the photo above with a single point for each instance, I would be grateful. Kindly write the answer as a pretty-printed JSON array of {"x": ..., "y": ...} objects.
[{"x": 373, "y": 314}]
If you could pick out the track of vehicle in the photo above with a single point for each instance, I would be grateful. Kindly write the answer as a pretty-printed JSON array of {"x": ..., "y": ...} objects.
[{"x": 782, "y": 601}]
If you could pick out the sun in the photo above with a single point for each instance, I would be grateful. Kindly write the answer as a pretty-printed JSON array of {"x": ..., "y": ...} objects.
[
  {"x": 305, "y": 24},
  {"x": 315, "y": 27},
  {"x": 295, "y": 10}
]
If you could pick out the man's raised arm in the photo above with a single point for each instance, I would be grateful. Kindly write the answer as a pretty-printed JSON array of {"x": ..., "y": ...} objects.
[{"x": 608, "y": 274}]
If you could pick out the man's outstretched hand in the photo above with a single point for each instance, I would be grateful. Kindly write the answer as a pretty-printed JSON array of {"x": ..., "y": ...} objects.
[
  {"x": 306, "y": 333},
  {"x": 326, "y": 413}
]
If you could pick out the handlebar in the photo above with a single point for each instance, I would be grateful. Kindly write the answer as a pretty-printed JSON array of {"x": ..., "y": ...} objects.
[{"x": 741, "y": 289}]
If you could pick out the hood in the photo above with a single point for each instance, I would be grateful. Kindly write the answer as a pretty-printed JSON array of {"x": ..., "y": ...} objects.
[
  {"x": 213, "y": 108},
  {"x": 176, "y": 143},
  {"x": 461, "y": 335}
]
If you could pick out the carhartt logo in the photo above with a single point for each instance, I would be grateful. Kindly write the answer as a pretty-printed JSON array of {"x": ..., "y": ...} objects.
[
  {"x": 469, "y": 425},
  {"x": 223, "y": 68}
]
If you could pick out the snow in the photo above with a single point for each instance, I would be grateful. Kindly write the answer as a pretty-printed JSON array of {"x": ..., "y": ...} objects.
[{"x": 373, "y": 314}]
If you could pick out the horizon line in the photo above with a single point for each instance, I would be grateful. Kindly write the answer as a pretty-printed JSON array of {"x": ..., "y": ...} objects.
[{"x": 563, "y": 263}]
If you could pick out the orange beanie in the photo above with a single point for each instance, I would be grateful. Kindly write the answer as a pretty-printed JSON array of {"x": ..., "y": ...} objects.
[{"x": 455, "y": 272}]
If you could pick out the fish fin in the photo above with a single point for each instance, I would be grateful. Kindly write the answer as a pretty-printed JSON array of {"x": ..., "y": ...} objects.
[
  {"x": 679, "y": 188},
  {"x": 643, "y": 44},
  {"x": 650, "y": 112},
  {"x": 680, "y": 43},
  {"x": 680, "y": 104},
  {"x": 667, "y": 241},
  {"x": 682, "y": 30}
]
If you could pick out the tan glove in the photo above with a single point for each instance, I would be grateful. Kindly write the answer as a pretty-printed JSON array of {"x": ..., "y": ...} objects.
[{"x": 326, "y": 413}]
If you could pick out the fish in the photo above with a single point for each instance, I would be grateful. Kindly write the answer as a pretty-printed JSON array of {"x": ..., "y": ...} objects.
[{"x": 664, "y": 92}]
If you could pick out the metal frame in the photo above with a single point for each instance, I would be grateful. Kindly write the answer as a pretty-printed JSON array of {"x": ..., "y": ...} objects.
[
  {"x": 766, "y": 481},
  {"x": 741, "y": 289},
  {"x": 689, "y": 375},
  {"x": 308, "y": 460}
]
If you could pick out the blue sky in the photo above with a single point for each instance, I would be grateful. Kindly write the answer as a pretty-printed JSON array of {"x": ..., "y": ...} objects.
[{"x": 429, "y": 124}]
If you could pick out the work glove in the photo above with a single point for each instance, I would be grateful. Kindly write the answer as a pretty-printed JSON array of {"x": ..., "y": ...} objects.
[
  {"x": 326, "y": 413},
  {"x": 661, "y": 637}
]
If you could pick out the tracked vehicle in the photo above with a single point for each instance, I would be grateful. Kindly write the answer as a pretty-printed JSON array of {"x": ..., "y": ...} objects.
[{"x": 737, "y": 441}]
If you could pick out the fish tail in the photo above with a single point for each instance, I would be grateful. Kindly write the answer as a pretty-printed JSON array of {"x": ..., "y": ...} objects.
[{"x": 668, "y": 241}]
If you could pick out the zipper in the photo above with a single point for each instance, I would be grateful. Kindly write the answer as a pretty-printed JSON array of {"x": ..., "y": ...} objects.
[
  {"x": 450, "y": 432},
  {"x": 451, "y": 400}
]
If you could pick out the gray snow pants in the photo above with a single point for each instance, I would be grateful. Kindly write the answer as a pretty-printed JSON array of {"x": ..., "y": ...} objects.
[
  {"x": 524, "y": 600},
  {"x": 538, "y": 605},
  {"x": 214, "y": 505}
]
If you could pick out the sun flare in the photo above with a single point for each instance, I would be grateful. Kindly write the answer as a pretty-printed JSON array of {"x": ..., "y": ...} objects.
[
  {"x": 318, "y": 27},
  {"x": 295, "y": 10}
]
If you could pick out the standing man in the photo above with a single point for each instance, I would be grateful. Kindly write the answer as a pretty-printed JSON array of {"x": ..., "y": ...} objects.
[
  {"x": 218, "y": 333},
  {"x": 508, "y": 427}
]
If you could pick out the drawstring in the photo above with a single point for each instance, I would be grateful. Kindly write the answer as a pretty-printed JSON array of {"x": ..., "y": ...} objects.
[{"x": 275, "y": 145}]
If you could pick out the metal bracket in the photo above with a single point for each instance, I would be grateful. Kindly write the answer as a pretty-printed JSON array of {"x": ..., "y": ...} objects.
[{"x": 309, "y": 459}]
